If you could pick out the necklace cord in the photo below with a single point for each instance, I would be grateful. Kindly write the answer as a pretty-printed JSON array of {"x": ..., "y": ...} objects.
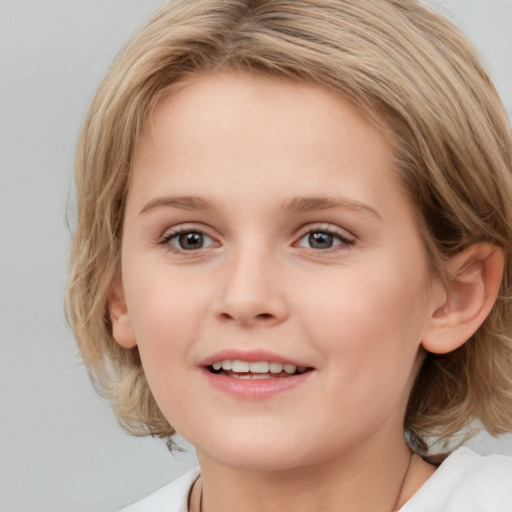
[{"x": 394, "y": 509}]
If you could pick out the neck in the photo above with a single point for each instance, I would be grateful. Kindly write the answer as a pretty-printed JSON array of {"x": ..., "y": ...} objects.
[{"x": 350, "y": 483}]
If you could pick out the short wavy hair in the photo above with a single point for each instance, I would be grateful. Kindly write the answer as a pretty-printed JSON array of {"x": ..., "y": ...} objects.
[{"x": 401, "y": 64}]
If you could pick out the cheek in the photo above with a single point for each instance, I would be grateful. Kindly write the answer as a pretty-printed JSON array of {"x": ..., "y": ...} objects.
[
  {"x": 369, "y": 321},
  {"x": 165, "y": 311},
  {"x": 165, "y": 323}
]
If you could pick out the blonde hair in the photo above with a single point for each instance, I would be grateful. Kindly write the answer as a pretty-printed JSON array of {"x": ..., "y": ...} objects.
[{"x": 401, "y": 64}]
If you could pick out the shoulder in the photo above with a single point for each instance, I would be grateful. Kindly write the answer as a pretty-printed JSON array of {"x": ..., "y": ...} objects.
[
  {"x": 466, "y": 482},
  {"x": 170, "y": 498}
]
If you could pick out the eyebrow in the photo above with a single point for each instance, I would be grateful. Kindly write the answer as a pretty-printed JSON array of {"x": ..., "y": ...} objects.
[
  {"x": 304, "y": 204},
  {"x": 180, "y": 202},
  {"x": 299, "y": 204}
]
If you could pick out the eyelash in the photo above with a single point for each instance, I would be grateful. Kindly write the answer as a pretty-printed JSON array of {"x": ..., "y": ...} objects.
[
  {"x": 169, "y": 236},
  {"x": 342, "y": 239},
  {"x": 344, "y": 242}
]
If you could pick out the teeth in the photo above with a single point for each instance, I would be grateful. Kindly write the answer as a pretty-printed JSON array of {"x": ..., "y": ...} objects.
[
  {"x": 276, "y": 367},
  {"x": 260, "y": 367},
  {"x": 239, "y": 366},
  {"x": 290, "y": 368},
  {"x": 252, "y": 376}
]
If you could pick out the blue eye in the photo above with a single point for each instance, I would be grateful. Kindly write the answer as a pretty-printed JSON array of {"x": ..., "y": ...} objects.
[
  {"x": 322, "y": 239},
  {"x": 188, "y": 240}
]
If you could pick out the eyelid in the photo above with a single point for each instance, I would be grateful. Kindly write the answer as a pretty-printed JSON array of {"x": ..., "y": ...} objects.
[
  {"x": 174, "y": 231},
  {"x": 328, "y": 227},
  {"x": 346, "y": 238}
]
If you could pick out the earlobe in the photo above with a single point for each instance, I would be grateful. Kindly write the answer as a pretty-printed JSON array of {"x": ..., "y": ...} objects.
[
  {"x": 474, "y": 278},
  {"x": 122, "y": 330}
]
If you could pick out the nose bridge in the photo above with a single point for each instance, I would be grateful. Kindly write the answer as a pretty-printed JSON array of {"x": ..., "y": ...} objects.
[{"x": 251, "y": 291}]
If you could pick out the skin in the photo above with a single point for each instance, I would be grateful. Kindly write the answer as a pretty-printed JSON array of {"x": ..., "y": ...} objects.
[{"x": 357, "y": 312}]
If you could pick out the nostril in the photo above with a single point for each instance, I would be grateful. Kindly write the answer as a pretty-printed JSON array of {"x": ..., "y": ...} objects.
[{"x": 261, "y": 316}]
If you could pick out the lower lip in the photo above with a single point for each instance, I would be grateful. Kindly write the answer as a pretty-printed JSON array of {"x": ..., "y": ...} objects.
[{"x": 254, "y": 388}]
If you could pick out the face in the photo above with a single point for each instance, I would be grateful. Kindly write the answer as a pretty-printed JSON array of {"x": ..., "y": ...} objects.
[{"x": 273, "y": 277}]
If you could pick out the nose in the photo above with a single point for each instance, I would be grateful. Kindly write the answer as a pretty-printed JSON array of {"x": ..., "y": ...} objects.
[{"x": 252, "y": 292}]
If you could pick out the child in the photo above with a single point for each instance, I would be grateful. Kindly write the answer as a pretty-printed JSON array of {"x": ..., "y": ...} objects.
[{"x": 294, "y": 249}]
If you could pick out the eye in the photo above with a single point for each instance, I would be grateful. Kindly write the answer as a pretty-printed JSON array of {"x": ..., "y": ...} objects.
[
  {"x": 188, "y": 240},
  {"x": 323, "y": 239}
]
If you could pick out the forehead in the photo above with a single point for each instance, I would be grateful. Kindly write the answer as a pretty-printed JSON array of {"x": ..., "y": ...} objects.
[
  {"x": 239, "y": 126},
  {"x": 238, "y": 101},
  {"x": 227, "y": 136}
]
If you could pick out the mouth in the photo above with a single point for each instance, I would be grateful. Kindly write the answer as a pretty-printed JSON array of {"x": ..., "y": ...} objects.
[
  {"x": 254, "y": 374},
  {"x": 257, "y": 370}
]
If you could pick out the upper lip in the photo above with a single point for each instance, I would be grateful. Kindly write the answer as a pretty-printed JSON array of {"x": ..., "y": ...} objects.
[{"x": 251, "y": 356}]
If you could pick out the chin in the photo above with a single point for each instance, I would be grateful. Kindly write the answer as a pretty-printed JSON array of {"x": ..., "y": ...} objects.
[
  {"x": 264, "y": 462},
  {"x": 257, "y": 453}
]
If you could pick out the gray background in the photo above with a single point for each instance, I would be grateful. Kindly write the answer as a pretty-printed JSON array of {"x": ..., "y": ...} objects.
[{"x": 60, "y": 446}]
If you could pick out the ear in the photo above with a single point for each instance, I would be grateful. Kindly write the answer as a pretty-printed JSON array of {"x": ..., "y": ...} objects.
[
  {"x": 122, "y": 330},
  {"x": 473, "y": 286}
]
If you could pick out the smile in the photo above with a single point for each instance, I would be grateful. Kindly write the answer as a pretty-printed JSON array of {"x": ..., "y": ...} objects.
[
  {"x": 254, "y": 374},
  {"x": 239, "y": 369}
]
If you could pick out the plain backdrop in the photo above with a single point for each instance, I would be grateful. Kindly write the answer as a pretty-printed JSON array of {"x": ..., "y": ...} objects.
[{"x": 61, "y": 449}]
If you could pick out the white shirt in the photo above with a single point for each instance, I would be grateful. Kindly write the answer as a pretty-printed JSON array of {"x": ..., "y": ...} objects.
[{"x": 464, "y": 482}]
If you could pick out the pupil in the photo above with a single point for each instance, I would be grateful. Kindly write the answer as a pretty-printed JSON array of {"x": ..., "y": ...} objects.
[
  {"x": 320, "y": 240},
  {"x": 190, "y": 241}
]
